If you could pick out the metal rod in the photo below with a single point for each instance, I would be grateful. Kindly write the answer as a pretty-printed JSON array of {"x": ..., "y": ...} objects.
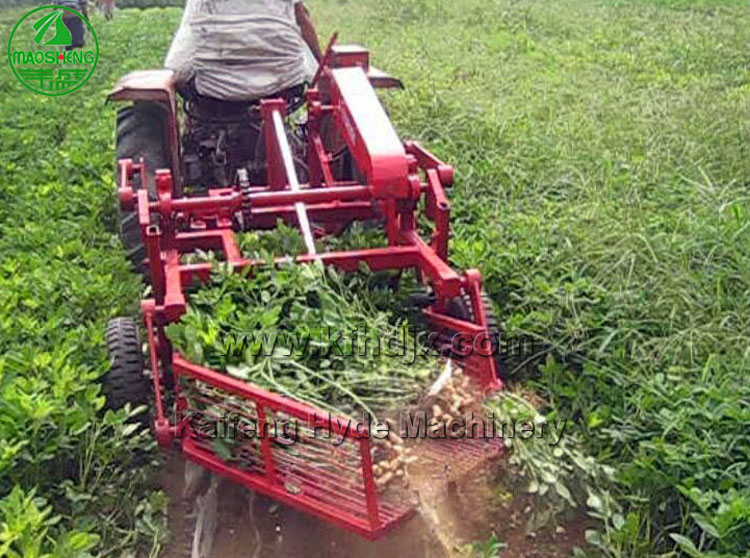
[
  {"x": 154, "y": 367},
  {"x": 325, "y": 61},
  {"x": 308, "y": 196},
  {"x": 291, "y": 174}
]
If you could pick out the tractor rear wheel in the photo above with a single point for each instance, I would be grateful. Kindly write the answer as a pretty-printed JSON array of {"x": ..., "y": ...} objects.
[
  {"x": 125, "y": 381},
  {"x": 140, "y": 133}
]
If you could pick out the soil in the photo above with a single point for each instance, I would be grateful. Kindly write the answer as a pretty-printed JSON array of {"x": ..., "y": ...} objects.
[{"x": 451, "y": 516}]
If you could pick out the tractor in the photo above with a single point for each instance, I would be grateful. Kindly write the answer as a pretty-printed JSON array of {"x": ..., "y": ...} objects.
[{"x": 192, "y": 174}]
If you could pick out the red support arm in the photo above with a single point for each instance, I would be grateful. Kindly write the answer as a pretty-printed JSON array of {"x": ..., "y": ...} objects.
[
  {"x": 439, "y": 210},
  {"x": 368, "y": 132}
]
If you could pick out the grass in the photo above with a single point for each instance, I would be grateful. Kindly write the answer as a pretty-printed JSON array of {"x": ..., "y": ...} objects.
[
  {"x": 603, "y": 158},
  {"x": 603, "y": 154}
]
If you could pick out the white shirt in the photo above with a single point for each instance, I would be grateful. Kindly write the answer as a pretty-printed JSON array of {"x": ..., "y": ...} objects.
[{"x": 239, "y": 49}]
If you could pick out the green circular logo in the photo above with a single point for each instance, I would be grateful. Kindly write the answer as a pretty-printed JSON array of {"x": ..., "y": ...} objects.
[{"x": 47, "y": 50}]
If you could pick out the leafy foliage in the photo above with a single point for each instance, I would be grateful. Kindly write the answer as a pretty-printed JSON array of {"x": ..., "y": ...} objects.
[
  {"x": 287, "y": 241},
  {"x": 308, "y": 332},
  {"x": 557, "y": 474},
  {"x": 602, "y": 152},
  {"x": 69, "y": 485},
  {"x": 491, "y": 548}
]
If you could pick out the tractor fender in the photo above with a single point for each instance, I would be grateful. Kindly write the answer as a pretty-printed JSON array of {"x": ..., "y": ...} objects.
[
  {"x": 381, "y": 80},
  {"x": 145, "y": 85},
  {"x": 155, "y": 86}
]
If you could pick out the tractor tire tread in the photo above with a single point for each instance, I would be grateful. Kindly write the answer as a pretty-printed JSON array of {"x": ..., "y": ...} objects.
[
  {"x": 124, "y": 382},
  {"x": 139, "y": 134}
]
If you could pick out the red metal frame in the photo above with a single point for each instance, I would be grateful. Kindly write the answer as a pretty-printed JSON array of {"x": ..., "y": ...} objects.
[{"x": 336, "y": 485}]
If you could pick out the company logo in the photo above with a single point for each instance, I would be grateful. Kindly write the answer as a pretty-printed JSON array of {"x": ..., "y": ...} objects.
[{"x": 50, "y": 51}]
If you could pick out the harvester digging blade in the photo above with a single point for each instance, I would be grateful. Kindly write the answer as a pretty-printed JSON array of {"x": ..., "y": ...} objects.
[
  {"x": 193, "y": 519},
  {"x": 205, "y": 520}
]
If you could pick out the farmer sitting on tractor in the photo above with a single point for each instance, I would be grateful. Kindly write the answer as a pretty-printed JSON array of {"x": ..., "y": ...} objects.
[
  {"x": 226, "y": 56},
  {"x": 243, "y": 50}
]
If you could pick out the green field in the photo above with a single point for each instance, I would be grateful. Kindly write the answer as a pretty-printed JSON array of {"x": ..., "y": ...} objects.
[{"x": 602, "y": 152}]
